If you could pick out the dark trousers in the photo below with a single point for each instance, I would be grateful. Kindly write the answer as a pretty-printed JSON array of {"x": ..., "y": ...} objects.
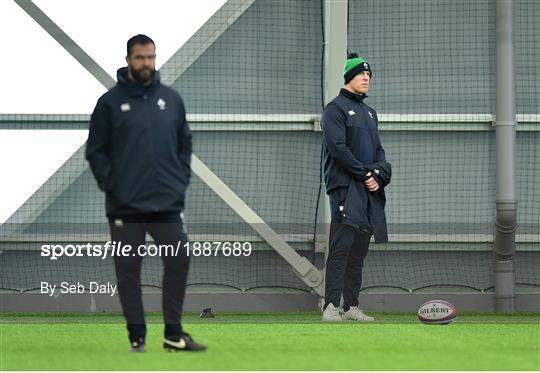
[
  {"x": 348, "y": 249},
  {"x": 166, "y": 229}
]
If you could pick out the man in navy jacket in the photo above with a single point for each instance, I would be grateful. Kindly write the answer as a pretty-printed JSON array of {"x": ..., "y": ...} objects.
[
  {"x": 350, "y": 143},
  {"x": 139, "y": 150}
]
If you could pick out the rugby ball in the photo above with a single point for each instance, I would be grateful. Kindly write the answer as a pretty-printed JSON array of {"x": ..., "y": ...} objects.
[{"x": 438, "y": 312}]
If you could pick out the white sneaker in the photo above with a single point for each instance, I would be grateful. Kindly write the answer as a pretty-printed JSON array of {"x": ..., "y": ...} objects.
[
  {"x": 357, "y": 315},
  {"x": 332, "y": 313}
]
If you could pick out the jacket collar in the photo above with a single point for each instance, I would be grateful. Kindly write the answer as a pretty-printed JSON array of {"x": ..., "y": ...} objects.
[
  {"x": 133, "y": 87},
  {"x": 353, "y": 96}
]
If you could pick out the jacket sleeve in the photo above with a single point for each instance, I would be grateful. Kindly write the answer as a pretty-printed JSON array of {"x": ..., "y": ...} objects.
[
  {"x": 383, "y": 181},
  {"x": 98, "y": 144},
  {"x": 334, "y": 133},
  {"x": 384, "y": 174},
  {"x": 379, "y": 151},
  {"x": 184, "y": 141}
]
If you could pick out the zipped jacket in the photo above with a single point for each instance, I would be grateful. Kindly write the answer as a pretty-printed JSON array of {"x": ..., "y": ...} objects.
[
  {"x": 139, "y": 147},
  {"x": 350, "y": 140}
]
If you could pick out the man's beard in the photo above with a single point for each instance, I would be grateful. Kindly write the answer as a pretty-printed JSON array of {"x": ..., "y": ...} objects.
[{"x": 143, "y": 76}]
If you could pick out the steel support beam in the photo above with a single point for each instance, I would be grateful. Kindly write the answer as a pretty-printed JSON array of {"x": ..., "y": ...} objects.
[
  {"x": 335, "y": 52},
  {"x": 203, "y": 39},
  {"x": 505, "y": 127},
  {"x": 66, "y": 42}
]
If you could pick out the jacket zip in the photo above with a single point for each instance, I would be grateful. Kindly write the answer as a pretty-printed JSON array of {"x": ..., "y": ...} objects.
[{"x": 151, "y": 135}]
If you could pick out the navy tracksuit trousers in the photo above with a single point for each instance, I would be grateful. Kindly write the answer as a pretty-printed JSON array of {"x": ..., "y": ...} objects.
[
  {"x": 166, "y": 229},
  {"x": 348, "y": 249}
]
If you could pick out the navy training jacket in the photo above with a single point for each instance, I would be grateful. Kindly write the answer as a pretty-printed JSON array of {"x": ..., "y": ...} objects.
[
  {"x": 350, "y": 140},
  {"x": 139, "y": 147}
]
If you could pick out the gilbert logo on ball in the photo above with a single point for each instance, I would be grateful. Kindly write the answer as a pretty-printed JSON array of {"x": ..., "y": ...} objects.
[{"x": 438, "y": 312}]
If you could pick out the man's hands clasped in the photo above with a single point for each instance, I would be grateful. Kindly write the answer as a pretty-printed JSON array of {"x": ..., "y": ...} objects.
[{"x": 371, "y": 184}]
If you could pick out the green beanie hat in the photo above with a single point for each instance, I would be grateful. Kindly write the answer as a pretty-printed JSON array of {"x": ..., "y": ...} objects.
[{"x": 354, "y": 66}]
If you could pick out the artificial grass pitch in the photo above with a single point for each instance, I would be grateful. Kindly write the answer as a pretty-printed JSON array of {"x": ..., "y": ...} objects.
[{"x": 274, "y": 341}]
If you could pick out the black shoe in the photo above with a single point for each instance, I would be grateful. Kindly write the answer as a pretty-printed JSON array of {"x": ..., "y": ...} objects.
[
  {"x": 183, "y": 342},
  {"x": 137, "y": 345}
]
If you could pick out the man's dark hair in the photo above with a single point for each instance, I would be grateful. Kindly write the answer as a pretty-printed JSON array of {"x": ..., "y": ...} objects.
[{"x": 138, "y": 39}]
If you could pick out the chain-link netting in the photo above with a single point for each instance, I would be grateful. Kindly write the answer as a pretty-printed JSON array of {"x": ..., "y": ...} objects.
[
  {"x": 434, "y": 70},
  {"x": 253, "y": 92}
]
